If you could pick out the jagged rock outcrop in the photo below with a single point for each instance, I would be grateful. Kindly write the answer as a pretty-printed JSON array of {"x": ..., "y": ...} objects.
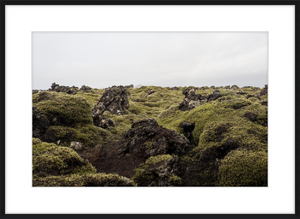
[
  {"x": 66, "y": 89},
  {"x": 188, "y": 129},
  {"x": 264, "y": 91},
  {"x": 193, "y": 100},
  {"x": 86, "y": 89},
  {"x": 174, "y": 88},
  {"x": 39, "y": 125},
  {"x": 146, "y": 138},
  {"x": 114, "y": 100}
]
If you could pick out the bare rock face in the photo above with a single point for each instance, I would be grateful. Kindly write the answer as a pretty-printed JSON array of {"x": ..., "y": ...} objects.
[
  {"x": 149, "y": 93},
  {"x": 146, "y": 138},
  {"x": 66, "y": 89},
  {"x": 39, "y": 125},
  {"x": 193, "y": 100},
  {"x": 114, "y": 100}
]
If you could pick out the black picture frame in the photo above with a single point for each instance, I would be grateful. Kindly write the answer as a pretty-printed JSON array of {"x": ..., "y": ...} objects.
[{"x": 296, "y": 3}]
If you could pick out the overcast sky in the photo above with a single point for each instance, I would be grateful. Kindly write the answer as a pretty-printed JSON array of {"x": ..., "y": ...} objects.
[{"x": 104, "y": 59}]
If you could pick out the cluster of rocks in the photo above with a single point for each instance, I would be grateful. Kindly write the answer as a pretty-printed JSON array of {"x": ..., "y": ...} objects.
[
  {"x": 193, "y": 100},
  {"x": 86, "y": 89},
  {"x": 146, "y": 138},
  {"x": 114, "y": 100},
  {"x": 241, "y": 92},
  {"x": 65, "y": 89}
]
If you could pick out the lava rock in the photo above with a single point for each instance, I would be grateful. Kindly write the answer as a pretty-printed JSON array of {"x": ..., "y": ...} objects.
[
  {"x": 66, "y": 89},
  {"x": 264, "y": 91},
  {"x": 86, "y": 89},
  {"x": 146, "y": 138},
  {"x": 188, "y": 129},
  {"x": 193, "y": 100},
  {"x": 114, "y": 100},
  {"x": 40, "y": 125}
]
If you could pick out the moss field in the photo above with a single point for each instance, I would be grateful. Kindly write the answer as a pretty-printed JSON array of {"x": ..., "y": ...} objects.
[{"x": 216, "y": 123}]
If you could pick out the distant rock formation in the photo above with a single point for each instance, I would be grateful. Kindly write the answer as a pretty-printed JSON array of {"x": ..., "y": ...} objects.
[
  {"x": 193, "y": 100},
  {"x": 66, "y": 89}
]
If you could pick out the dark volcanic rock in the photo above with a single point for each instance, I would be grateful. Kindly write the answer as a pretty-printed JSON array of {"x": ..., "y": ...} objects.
[
  {"x": 102, "y": 122},
  {"x": 146, "y": 138},
  {"x": 188, "y": 129},
  {"x": 66, "y": 89},
  {"x": 39, "y": 124},
  {"x": 264, "y": 91},
  {"x": 193, "y": 100},
  {"x": 114, "y": 100},
  {"x": 86, "y": 89},
  {"x": 174, "y": 88}
]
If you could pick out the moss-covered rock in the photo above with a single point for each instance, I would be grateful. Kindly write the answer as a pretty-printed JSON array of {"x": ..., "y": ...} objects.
[
  {"x": 158, "y": 171},
  {"x": 244, "y": 168},
  {"x": 50, "y": 159},
  {"x": 63, "y": 109},
  {"x": 98, "y": 179}
]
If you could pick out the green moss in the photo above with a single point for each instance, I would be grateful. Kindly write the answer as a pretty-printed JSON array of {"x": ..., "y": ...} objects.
[
  {"x": 71, "y": 109},
  {"x": 50, "y": 159},
  {"x": 98, "y": 179},
  {"x": 175, "y": 180},
  {"x": 244, "y": 168},
  {"x": 158, "y": 159}
]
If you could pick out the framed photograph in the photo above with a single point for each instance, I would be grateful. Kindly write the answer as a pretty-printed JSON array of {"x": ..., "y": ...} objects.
[{"x": 149, "y": 109}]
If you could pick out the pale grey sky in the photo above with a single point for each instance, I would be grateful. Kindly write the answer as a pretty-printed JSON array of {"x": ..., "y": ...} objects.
[{"x": 104, "y": 59}]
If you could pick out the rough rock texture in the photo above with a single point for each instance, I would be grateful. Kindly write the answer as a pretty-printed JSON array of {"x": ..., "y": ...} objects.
[
  {"x": 77, "y": 146},
  {"x": 174, "y": 88},
  {"x": 193, "y": 100},
  {"x": 158, "y": 171},
  {"x": 128, "y": 86},
  {"x": 86, "y": 89},
  {"x": 264, "y": 91},
  {"x": 251, "y": 116},
  {"x": 146, "y": 138},
  {"x": 66, "y": 89},
  {"x": 102, "y": 122},
  {"x": 39, "y": 125},
  {"x": 188, "y": 129},
  {"x": 114, "y": 100}
]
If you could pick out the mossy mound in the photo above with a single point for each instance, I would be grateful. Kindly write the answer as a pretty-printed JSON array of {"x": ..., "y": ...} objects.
[
  {"x": 70, "y": 118},
  {"x": 50, "y": 159},
  {"x": 157, "y": 171},
  {"x": 63, "y": 109},
  {"x": 98, "y": 179},
  {"x": 88, "y": 135},
  {"x": 244, "y": 168}
]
